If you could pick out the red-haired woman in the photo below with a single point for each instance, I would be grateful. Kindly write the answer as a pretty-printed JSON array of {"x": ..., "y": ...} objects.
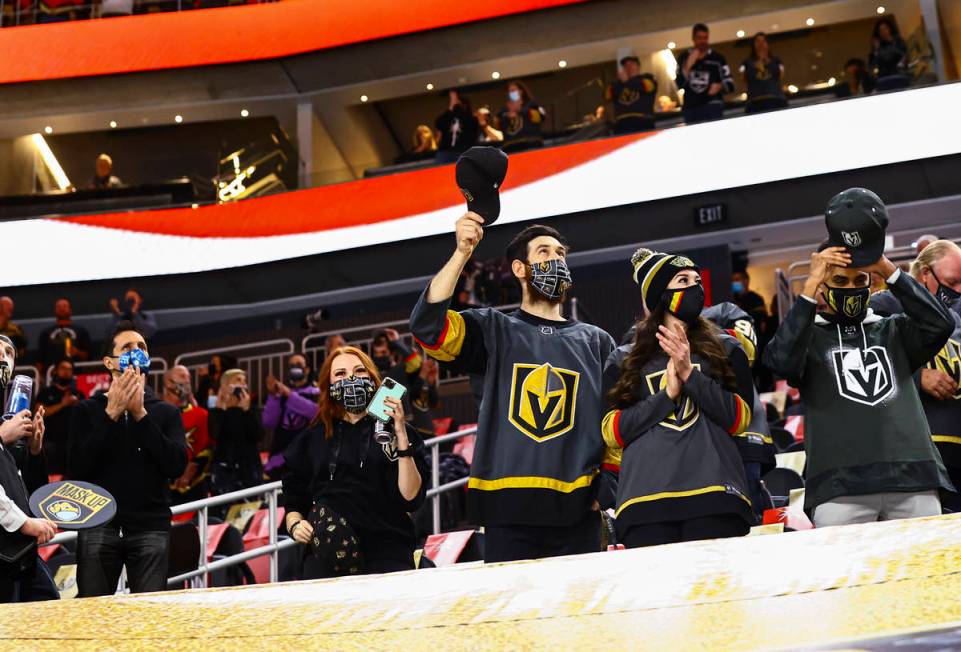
[{"x": 340, "y": 478}]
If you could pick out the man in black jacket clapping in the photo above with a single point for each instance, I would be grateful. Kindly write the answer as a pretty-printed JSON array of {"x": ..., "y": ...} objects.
[{"x": 132, "y": 444}]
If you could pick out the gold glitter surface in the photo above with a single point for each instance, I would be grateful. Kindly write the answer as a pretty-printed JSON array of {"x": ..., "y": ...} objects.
[{"x": 783, "y": 591}]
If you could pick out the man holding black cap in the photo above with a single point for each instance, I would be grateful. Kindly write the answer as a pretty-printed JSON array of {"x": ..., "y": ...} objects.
[
  {"x": 869, "y": 451},
  {"x": 633, "y": 95},
  {"x": 536, "y": 477}
]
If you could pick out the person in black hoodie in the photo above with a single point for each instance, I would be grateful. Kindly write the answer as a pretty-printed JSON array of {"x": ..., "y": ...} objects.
[
  {"x": 870, "y": 456},
  {"x": 24, "y": 578},
  {"x": 132, "y": 444},
  {"x": 336, "y": 464}
]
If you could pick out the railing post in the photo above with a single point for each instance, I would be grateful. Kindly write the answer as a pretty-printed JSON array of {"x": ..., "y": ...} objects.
[
  {"x": 272, "y": 536},
  {"x": 435, "y": 482},
  {"x": 202, "y": 564}
]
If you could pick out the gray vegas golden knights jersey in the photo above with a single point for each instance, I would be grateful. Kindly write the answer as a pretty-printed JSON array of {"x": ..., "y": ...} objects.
[{"x": 539, "y": 453}]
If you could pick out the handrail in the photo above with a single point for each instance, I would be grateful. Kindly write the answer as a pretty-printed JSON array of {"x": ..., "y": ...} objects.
[
  {"x": 273, "y": 489},
  {"x": 236, "y": 347}
]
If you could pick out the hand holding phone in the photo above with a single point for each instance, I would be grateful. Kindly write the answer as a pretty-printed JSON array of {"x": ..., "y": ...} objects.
[{"x": 388, "y": 389}]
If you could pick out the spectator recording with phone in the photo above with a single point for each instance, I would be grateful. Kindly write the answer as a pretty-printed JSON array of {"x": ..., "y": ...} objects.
[
  {"x": 291, "y": 405},
  {"x": 485, "y": 123},
  {"x": 131, "y": 443},
  {"x": 58, "y": 399},
  {"x": 63, "y": 340},
  {"x": 192, "y": 483},
  {"x": 704, "y": 76},
  {"x": 131, "y": 309},
  {"x": 938, "y": 269},
  {"x": 347, "y": 495},
  {"x": 235, "y": 426},
  {"x": 208, "y": 382},
  {"x": 24, "y": 577}
]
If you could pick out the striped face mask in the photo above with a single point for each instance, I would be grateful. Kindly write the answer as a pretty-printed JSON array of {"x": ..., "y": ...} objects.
[{"x": 684, "y": 303}]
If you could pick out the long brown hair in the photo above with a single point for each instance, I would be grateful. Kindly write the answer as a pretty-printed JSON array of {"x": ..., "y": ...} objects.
[
  {"x": 327, "y": 408},
  {"x": 704, "y": 342}
]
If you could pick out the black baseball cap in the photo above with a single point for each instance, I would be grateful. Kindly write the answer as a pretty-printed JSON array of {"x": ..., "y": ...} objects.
[
  {"x": 857, "y": 220},
  {"x": 480, "y": 173}
]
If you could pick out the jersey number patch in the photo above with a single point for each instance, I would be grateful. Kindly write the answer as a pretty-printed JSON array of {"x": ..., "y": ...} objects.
[{"x": 543, "y": 400}]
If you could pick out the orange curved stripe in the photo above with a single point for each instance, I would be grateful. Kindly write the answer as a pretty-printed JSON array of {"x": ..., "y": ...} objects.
[
  {"x": 368, "y": 201},
  {"x": 206, "y": 37}
]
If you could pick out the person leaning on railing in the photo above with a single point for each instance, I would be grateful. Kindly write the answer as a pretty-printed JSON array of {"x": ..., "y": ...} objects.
[{"x": 339, "y": 476}]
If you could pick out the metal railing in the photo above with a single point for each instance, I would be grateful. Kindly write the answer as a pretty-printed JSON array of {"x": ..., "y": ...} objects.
[
  {"x": 199, "y": 576},
  {"x": 257, "y": 366},
  {"x": 158, "y": 366},
  {"x": 434, "y": 493}
]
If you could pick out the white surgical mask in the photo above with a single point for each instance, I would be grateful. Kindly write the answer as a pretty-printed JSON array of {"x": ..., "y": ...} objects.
[{"x": 515, "y": 96}]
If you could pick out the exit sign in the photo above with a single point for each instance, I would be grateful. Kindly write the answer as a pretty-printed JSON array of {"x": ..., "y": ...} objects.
[{"x": 707, "y": 215}]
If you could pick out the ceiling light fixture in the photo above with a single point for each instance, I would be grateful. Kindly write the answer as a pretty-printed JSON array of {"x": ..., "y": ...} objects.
[
  {"x": 430, "y": 86},
  {"x": 178, "y": 118},
  {"x": 244, "y": 113},
  {"x": 495, "y": 75},
  {"x": 880, "y": 10},
  {"x": 809, "y": 22},
  {"x": 113, "y": 124},
  {"x": 740, "y": 33},
  {"x": 364, "y": 98},
  {"x": 671, "y": 45},
  {"x": 561, "y": 64},
  {"x": 48, "y": 130}
]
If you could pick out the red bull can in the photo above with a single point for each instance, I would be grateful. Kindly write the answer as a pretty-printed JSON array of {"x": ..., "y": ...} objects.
[{"x": 20, "y": 396}]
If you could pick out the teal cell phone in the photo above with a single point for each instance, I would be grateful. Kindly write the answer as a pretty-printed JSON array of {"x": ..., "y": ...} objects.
[{"x": 388, "y": 389}]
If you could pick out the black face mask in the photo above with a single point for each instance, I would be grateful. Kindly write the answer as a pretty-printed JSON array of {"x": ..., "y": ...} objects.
[
  {"x": 947, "y": 296},
  {"x": 353, "y": 394},
  {"x": 296, "y": 373},
  {"x": 850, "y": 305},
  {"x": 64, "y": 382},
  {"x": 551, "y": 279},
  {"x": 684, "y": 303},
  {"x": 382, "y": 362}
]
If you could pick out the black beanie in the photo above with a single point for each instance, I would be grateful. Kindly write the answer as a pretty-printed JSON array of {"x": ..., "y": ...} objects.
[{"x": 653, "y": 272}]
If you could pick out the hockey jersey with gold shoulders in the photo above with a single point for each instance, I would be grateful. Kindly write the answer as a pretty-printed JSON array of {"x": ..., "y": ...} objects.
[
  {"x": 680, "y": 460},
  {"x": 539, "y": 450}
]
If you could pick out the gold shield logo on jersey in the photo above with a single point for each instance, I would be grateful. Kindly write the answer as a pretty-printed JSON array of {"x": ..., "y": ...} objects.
[
  {"x": 685, "y": 413},
  {"x": 948, "y": 360},
  {"x": 543, "y": 400}
]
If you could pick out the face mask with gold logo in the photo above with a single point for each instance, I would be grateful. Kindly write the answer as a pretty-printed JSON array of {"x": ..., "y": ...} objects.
[{"x": 850, "y": 305}]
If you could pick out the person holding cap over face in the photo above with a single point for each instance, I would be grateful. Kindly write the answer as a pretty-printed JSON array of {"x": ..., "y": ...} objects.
[
  {"x": 678, "y": 395},
  {"x": 536, "y": 477},
  {"x": 869, "y": 451}
]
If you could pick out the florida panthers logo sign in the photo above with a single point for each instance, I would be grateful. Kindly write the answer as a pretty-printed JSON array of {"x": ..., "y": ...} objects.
[{"x": 864, "y": 376}]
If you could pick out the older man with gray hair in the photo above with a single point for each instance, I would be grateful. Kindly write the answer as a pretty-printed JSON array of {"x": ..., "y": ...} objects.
[{"x": 938, "y": 269}]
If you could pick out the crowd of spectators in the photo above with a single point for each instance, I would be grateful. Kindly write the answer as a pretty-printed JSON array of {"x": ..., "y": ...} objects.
[{"x": 703, "y": 80}]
